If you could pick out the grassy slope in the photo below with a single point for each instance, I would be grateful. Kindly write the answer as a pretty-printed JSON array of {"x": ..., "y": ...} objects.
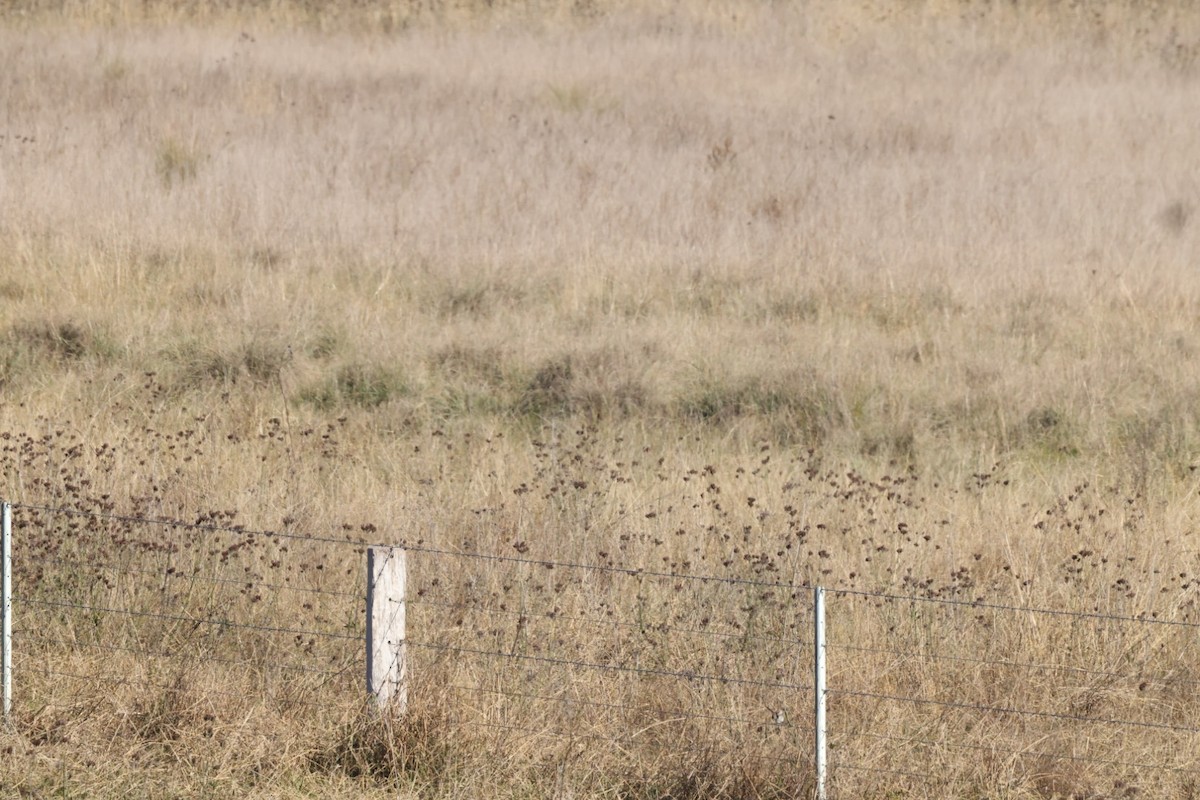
[{"x": 938, "y": 267}]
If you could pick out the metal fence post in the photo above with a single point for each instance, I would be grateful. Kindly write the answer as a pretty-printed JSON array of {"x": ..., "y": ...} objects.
[
  {"x": 6, "y": 606},
  {"x": 387, "y": 668},
  {"x": 819, "y": 687}
]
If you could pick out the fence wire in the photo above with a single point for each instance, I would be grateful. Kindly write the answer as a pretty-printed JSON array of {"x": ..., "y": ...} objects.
[
  {"x": 622, "y": 661},
  {"x": 657, "y": 662},
  {"x": 1101, "y": 703}
]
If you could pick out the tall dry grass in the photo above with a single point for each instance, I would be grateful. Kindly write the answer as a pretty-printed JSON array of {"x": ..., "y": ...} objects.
[{"x": 916, "y": 285}]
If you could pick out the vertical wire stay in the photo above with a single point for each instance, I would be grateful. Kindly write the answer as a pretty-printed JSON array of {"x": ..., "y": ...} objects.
[
  {"x": 6, "y": 606},
  {"x": 819, "y": 688}
]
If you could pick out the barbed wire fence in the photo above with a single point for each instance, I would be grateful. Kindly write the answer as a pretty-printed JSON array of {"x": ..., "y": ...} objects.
[
  {"x": 1060, "y": 703},
  {"x": 176, "y": 631},
  {"x": 204, "y": 628},
  {"x": 564, "y": 664},
  {"x": 588, "y": 663}
]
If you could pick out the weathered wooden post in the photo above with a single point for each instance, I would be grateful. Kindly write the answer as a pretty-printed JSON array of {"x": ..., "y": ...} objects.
[{"x": 387, "y": 667}]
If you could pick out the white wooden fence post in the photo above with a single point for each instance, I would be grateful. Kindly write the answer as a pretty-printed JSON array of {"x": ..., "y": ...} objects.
[
  {"x": 6, "y": 606},
  {"x": 819, "y": 687},
  {"x": 387, "y": 668}
]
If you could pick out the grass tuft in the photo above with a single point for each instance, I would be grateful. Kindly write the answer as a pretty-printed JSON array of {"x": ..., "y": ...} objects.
[
  {"x": 798, "y": 409},
  {"x": 176, "y": 162},
  {"x": 357, "y": 384},
  {"x": 257, "y": 360},
  {"x": 420, "y": 749}
]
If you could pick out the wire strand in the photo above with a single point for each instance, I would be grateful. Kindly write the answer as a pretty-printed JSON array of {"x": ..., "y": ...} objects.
[
  {"x": 610, "y": 622},
  {"x": 1014, "y": 711},
  {"x": 979, "y": 604},
  {"x": 240, "y": 530},
  {"x": 881, "y": 770},
  {"x": 968, "y": 660},
  {"x": 693, "y": 676},
  {"x": 1030, "y": 753},
  {"x": 422, "y": 548},
  {"x": 194, "y": 620},
  {"x": 626, "y": 741},
  {"x": 622, "y": 707},
  {"x": 603, "y": 568},
  {"x": 196, "y": 658},
  {"x": 182, "y": 576},
  {"x": 124, "y": 681}
]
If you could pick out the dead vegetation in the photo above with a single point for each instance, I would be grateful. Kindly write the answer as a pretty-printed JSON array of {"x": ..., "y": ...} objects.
[{"x": 891, "y": 300}]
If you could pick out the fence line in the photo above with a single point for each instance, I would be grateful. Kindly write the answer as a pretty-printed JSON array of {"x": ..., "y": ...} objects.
[
  {"x": 67, "y": 643},
  {"x": 195, "y": 620},
  {"x": 965, "y": 660},
  {"x": 566, "y": 662},
  {"x": 1124, "y": 723},
  {"x": 609, "y": 623},
  {"x": 746, "y": 658},
  {"x": 176, "y": 575},
  {"x": 1033, "y": 753},
  {"x": 627, "y": 741},
  {"x": 980, "y": 604},
  {"x": 946, "y": 628},
  {"x": 622, "y": 707},
  {"x": 423, "y": 548},
  {"x": 363, "y": 543},
  {"x": 166, "y": 687}
]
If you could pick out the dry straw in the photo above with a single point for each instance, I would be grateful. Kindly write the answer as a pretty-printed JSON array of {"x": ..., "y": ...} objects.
[{"x": 896, "y": 300}]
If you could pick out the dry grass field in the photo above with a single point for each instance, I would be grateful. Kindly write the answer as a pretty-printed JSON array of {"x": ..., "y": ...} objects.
[{"x": 890, "y": 298}]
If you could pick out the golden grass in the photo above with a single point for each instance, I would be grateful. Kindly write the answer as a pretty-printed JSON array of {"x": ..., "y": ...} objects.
[{"x": 892, "y": 300}]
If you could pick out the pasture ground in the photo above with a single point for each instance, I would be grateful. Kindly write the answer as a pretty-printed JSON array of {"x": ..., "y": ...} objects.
[{"x": 899, "y": 300}]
